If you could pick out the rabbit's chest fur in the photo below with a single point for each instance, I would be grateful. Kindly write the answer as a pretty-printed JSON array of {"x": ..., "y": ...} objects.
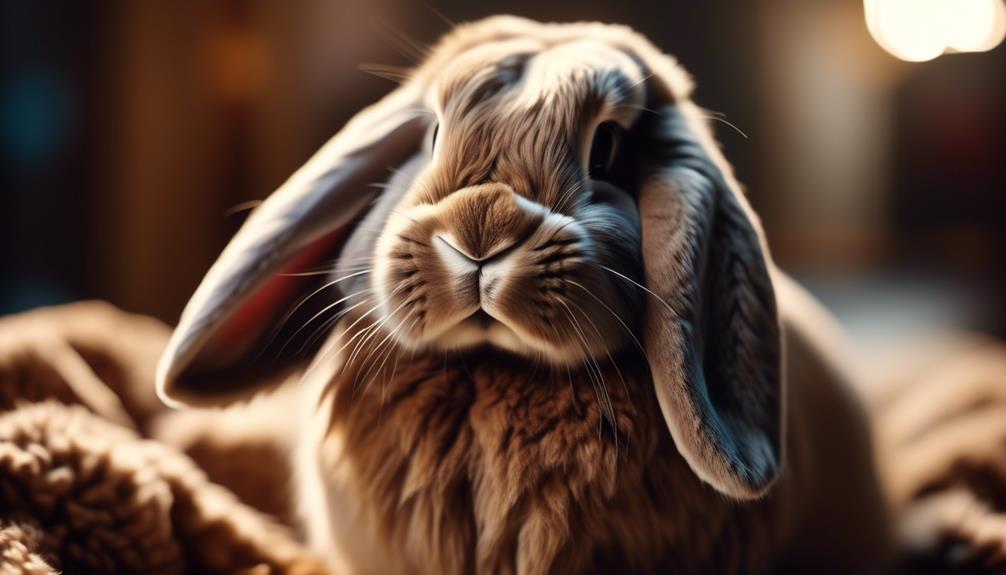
[{"x": 484, "y": 464}]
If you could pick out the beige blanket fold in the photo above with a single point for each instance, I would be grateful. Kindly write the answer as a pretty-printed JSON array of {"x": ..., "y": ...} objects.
[
  {"x": 941, "y": 432},
  {"x": 83, "y": 487}
]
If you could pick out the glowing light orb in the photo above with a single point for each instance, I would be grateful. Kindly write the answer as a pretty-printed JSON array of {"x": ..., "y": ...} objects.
[{"x": 920, "y": 30}]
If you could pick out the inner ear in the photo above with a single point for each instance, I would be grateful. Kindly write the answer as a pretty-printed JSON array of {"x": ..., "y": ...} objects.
[
  {"x": 282, "y": 324},
  {"x": 265, "y": 336},
  {"x": 287, "y": 245}
]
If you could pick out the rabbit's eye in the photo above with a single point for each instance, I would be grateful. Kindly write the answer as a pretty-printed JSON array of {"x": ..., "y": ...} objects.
[
  {"x": 433, "y": 137},
  {"x": 603, "y": 150}
]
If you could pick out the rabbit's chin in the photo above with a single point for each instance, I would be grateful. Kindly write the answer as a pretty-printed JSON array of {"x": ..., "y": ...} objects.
[{"x": 481, "y": 330}]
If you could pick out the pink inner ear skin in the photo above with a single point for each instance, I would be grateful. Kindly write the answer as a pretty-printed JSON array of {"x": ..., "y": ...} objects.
[{"x": 253, "y": 316}]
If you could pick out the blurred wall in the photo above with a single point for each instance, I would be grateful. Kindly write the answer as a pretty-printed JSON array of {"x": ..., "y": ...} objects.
[
  {"x": 50, "y": 70},
  {"x": 220, "y": 102},
  {"x": 884, "y": 182}
]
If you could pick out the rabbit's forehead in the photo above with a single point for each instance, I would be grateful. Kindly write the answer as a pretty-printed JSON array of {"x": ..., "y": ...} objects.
[
  {"x": 524, "y": 73},
  {"x": 613, "y": 72}
]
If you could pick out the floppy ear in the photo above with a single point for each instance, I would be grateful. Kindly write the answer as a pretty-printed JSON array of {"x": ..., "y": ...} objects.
[
  {"x": 713, "y": 341},
  {"x": 209, "y": 357}
]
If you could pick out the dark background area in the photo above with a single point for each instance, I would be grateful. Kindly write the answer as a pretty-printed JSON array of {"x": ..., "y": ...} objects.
[{"x": 129, "y": 131}]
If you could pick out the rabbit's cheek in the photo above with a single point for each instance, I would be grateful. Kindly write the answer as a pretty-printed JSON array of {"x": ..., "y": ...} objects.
[{"x": 423, "y": 289}]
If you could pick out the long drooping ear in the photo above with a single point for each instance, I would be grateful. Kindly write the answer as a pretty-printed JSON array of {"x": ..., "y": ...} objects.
[
  {"x": 713, "y": 337},
  {"x": 207, "y": 360}
]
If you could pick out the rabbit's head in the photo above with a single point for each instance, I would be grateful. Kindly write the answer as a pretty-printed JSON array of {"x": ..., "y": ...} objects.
[{"x": 557, "y": 196}]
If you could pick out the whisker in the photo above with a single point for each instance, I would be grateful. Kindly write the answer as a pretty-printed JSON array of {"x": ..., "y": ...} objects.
[
  {"x": 384, "y": 320},
  {"x": 356, "y": 346},
  {"x": 640, "y": 286},
  {"x": 614, "y": 364},
  {"x": 728, "y": 123},
  {"x": 637, "y": 107},
  {"x": 403, "y": 44},
  {"x": 394, "y": 369},
  {"x": 640, "y": 81},
  {"x": 359, "y": 262},
  {"x": 327, "y": 353},
  {"x": 286, "y": 317},
  {"x": 320, "y": 313},
  {"x": 395, "y": 74},
  {"x": 405, "y": 215},
  {"x": 289, "y": 314},
  {"x": 625, "y": 326},
  {"x": 328, "y": 323},
  {"x": 569, "y": 193},
  {"x": 373, "y": 328},
  {"x": 313, "y": 273},
  {"x": 327, "y": 285},
  {"x": 450, "y": 23},
  {"x": 604, "y": 400},
  {"x": 242, "y": 207},
  {"x": 389, "y": 346},
  {"x": 381, "y": 322}
]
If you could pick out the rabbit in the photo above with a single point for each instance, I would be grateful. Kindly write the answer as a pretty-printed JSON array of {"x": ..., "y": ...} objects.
[{"x": 556, "y": 340}]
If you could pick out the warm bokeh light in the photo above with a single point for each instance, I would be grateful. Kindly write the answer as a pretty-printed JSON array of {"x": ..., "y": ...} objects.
[
  {"x": 909, "y": 29},
  {"x": 920, "y": 30}
]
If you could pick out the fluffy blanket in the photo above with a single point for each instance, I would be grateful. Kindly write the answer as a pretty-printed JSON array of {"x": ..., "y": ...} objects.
[
  {"x": 940, "y": 426},
  {"x": 83, "y": 486},
  {"x": 97, "y": 477}
]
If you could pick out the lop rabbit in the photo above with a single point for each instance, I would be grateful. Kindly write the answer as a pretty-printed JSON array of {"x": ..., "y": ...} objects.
[{"x": 560, "y": 344}]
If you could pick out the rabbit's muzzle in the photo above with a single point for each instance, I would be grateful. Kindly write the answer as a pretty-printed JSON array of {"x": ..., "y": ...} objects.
[{"x": 485, "y": 265}]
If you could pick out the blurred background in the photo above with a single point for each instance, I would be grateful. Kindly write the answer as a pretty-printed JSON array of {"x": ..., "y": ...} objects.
[{"x": 130, "y": 132}]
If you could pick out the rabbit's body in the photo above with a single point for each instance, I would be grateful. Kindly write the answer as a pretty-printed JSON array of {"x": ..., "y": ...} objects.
[
  {"x": 494, "y": 466},
  {"x": 483, "y": 463},
  {"x": 562, "y": 345}
]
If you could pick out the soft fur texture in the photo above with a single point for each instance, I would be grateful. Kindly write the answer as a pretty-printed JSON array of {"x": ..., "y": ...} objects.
[
  {"x": 541, "y": 364},
  {"x": 464, "y": 464},
  {"x": 81, "y": 491}
]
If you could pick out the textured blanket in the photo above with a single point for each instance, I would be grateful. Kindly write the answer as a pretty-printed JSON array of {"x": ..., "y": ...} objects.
[
  {"x": 83, "y": 486},
  {"x": 941, "y": 437},
  {"x": 97, "y": 477}
]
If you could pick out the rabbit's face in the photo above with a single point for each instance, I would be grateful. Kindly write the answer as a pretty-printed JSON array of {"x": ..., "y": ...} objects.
[{"x": 520, "y": 232}]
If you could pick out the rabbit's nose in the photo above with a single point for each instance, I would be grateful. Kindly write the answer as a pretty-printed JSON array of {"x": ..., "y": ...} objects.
[{"x": 484, "y": 221}]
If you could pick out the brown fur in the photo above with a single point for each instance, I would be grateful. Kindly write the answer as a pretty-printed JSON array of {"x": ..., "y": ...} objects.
[{"x": 478, "y": 464}]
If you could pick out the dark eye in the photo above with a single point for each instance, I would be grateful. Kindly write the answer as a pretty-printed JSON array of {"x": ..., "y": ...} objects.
[
  {"x": 433, "y": 136},
  {"x": 603, "y": 150}
]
